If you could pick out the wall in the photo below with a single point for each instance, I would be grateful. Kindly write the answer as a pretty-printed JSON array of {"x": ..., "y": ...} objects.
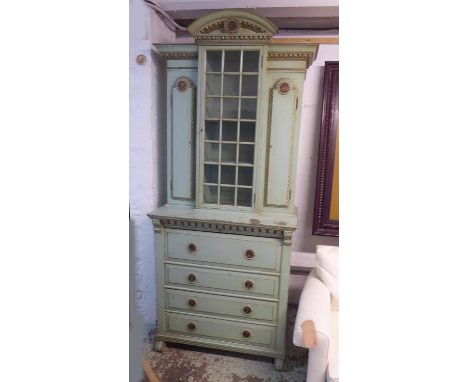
[
  {"x": 304, "y": 244},
  {"x": 147, "y": 152},
  {"x": 309, "y": 137}
]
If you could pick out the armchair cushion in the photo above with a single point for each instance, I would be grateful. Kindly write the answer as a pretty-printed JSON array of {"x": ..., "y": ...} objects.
[
  {"x": 314, "y": 305},
  {"x": 327, "y": 271},
  {"x": 333, "y": 362}
]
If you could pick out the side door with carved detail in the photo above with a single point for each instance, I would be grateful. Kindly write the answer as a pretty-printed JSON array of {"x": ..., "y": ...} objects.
[
  {"x": 182, "y": 78},
  {"x": 281, "y": 102}
]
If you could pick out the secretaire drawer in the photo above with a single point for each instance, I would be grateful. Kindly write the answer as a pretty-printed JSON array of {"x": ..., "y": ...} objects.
[
  {"x": 221, "y": 329},
  {"x": 228, "y": 281},
  {"x": 222, "y": 305},
  {"x": 220, "y": 248}
]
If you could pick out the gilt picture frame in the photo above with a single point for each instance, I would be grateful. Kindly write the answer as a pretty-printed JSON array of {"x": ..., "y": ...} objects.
[{"x": 326, "y": 206}]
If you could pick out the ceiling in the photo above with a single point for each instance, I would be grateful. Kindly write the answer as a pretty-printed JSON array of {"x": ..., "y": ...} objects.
[{"x": 298, "y": 15}]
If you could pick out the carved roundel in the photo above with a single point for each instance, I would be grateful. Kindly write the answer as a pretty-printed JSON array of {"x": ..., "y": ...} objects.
[
  {"x": 231, "y": 25},
  {"x": 182, "y": 85},
  {"x": 283, "y": 88}
]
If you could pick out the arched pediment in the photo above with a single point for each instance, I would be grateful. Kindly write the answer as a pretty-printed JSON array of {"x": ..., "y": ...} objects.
[{"x": 232, "y": 26}]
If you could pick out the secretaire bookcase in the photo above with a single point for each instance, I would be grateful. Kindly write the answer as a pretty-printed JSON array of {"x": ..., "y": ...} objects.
[{"x": 223, "y": 238}]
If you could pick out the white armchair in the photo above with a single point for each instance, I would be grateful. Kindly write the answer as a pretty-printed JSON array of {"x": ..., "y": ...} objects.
[{"x": 316, "y": 326}]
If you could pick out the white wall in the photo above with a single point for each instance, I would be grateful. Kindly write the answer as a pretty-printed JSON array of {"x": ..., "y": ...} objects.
[
  {"x": 147, "y": 152},
  {"x": 304, "y": 243},
  {"x": 309, "y": 137}
]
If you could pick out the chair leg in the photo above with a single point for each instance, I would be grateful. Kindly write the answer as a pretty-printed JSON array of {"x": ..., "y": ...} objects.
[{"x": 160, "y": 346}]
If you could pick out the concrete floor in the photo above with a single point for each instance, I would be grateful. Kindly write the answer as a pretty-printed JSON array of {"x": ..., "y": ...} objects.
[{"x": 184, "y": 363}]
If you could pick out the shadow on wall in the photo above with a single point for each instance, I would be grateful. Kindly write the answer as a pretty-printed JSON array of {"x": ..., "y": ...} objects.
[{"x": 136, "y": 330}]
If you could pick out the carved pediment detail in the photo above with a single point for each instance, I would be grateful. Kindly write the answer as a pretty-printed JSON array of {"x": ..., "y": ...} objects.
[
  {"x": 232, "y": 26},
  {"x": 253, "y": 27},
  {"x": 212, "y": 27}
]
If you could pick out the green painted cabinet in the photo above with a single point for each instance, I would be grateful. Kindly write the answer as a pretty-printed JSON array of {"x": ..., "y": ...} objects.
[{"x": 223, "y": 237}]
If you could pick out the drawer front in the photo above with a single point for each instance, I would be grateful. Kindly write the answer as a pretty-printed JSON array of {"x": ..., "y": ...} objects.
[
  {"x": 247, "y": 283},
  {"x": 221, "y": 329},
  {"x": 224, "y": 249},
  {"x": 214, "y": 304}
]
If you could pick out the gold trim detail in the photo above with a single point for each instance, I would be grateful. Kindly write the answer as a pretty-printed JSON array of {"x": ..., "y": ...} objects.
[
  {"x": 188, "y": 82},
  {"x": 221, "y": 24},
  {"x": 294, "y": 56},
  {"x": 251, "y": 26},
  {"x": 229, "y": 22},
  {"x": 277, "y": 87},
  {"x": 212, "y": 27},
  {"x": 305, "y": 40},
  {"x": 283, "y": 88},
  {"x": 232, "y": 27},
  {"x": 189, "y": 85},
  {"x": 214, "y": 226},
  {"x": 180, "y": 55},
  {"x": 233, "y": 37}
]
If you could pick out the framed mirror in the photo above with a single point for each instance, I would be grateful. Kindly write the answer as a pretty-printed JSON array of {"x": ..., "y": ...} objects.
[{"x": 326, "y": 210}]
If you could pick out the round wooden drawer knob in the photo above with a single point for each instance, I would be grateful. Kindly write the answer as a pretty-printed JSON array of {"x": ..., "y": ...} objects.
[
  {"x": 191, "y": 326},
  {"x": 249, "y": 254},
  {"x": 191, "y": 278},
  {"x": 248, "y": 284},
  {"x": 192, "y": 303},
  {"x": 247, "y": 310},
  {"x": 192, "y": 248},
  {"x": 246, "y": 334}
]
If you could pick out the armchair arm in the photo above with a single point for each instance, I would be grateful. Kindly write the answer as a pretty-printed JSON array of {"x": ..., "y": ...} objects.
[{"x": 314, "y": 305}]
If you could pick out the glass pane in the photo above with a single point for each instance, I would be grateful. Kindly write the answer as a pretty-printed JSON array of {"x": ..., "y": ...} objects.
[
  {"x": 244, "y": 197},
  {"x": 228, "y": 174},
  {"x": 213, "y": 61},
  {"x": 211, "y": 152},
  {"x": 211, "y": 173},
  {"x": 247, "y": 132},
  {"x": 228, "y": 153},
  {"x": 230, "y": 108},
  {"x": 246, "y": 154},
  {"x": 250, "y": 61},
  {"x": 232, "y": 61},
  {"x": 249, "y": 109},
  {"x": 245, "y": 176},
  {"x": 212, "y": 130},
  {"x": 226, "y": 196},
  {"x": 249, "y": 85},
  {"x": 213, "y": 84},
  {"x": 210, "y": 194},
  {"x": 229, "y": 131},
  {"x": 231, "y": 85},
  {"x": 212, "y": 107}
]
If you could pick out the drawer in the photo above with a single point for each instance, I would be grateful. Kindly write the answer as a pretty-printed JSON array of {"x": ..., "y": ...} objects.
[
  {"x": 224, "y": 305},
  {"x": 221, "y": 329},
  {"x": 231, "y": 281},
  {"x": 220, "y": 248}
]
